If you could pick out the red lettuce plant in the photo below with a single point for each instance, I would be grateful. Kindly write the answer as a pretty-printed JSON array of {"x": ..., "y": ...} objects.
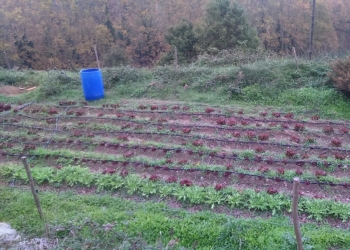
[
  {"x": 272, "y": 190},
  {"x": 236, "y": 134},
  {"x": 289, "y": 116},
  {"x": 220, "y": 186},
  {"x": 186, "y": 130},
  {"x": 294, "y": 138},
  {"x": 171, "y": 179},
  {"x": 221, "y": 121},
  {"x": 328, "y": 130},
  {"x": 142, "y": 107},
  {"x": 339, "y": 156},
  {"x": 231, "y": 122},
  {"x": 198, "y": 143},
  {"x": 263, "y": 169},
  {"x": 320, "y": 173},
  {"x": 263, "y": 113},
  {"x": 290, "y": 153},
  {"x": 344, "y": 130},
  {"x": 315, "y": 117},
  {"x": 263, "y": 137},
  {"x": 336, "y": 143},
  {"x": 280, "y": 171},
  {"x": 209, "y": 110},
  {"x": 154, "y": 178},
  {"x": 276, "y": 114},
  {"x": 186, "y": 183},
  {"x": 298, "y": 172},
  {"x": 260, "y": 149},
  {"x": 299, "y": 127},
  {"x": 123, "y": 137}
]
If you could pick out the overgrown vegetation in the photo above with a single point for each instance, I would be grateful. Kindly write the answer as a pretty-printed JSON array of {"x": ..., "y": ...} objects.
[
  {"x": 213, "y": 79},
  {"x": 340, "y": 74}
]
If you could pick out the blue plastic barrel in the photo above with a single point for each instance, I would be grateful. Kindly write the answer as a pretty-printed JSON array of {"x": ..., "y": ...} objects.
[{"x": 91, "y": 80}]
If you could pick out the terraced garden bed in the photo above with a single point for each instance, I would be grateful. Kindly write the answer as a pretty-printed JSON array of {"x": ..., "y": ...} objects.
[{"x": 211, "y": 158}]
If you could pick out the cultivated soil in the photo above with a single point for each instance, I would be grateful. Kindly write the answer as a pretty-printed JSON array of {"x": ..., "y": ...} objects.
[{"x": 261, "y": 150}]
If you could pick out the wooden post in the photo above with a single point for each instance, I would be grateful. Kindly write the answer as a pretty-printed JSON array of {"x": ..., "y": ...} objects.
[
  {"x": 7, "y": 61},
  {"x": 98, "y": 61},
  {"x": 296, "y": 182},
  {"x": 175, "y": 57},
  {"x": 71, "y": 65},
  {"x": 311, "y": 43},
  {"x": 31, "y": 183},
  {"x": 296, "y": 58}
]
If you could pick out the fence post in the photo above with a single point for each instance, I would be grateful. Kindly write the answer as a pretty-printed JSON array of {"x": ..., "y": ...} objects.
[
  {"x": 96, "y": 55},
  {"x": 7, "y": 61},
  {"x": 31, "y": 183},
  {"x": 296, "y": 182}
]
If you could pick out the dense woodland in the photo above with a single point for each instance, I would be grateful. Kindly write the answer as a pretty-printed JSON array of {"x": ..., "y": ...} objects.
[{"x": 43, "y": 34}]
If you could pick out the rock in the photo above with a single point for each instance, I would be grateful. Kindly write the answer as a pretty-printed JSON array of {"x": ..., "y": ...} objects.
[{"x": 7, "y": 233}]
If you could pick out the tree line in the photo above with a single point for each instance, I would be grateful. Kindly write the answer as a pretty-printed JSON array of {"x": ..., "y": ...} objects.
[{"x": 43, "y": 34}]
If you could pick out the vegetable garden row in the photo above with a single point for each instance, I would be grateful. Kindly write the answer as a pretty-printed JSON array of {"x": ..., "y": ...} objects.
[{"x": 197, "y": 155}]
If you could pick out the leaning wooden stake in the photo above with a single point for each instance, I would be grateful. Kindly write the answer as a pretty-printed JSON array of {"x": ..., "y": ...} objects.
[
  {"x": 296, "y": 182},
  {"x": 98, "y": 61},
  {"x": 175, "y": 57},
  {"x": 296, "y": 58},
  {"x": 31, "y": 183},
  {"x": 7, "y": 61}
]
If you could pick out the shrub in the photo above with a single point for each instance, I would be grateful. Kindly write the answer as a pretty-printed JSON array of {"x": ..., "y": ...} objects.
[
  {"x": 340, "y": 74},
  {"x": 124, "y": 75}
]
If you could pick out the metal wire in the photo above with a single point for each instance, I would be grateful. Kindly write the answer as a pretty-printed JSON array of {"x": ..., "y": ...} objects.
[
  {"x": 213, "y": 155},
  {"x": 212, "y": 114},
  {"x": 197, "y": 126},
  {"x": 190, "y": 136}
]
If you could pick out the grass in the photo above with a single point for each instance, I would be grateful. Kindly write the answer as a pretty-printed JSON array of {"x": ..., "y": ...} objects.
[
  {"x": 155, "y": 222},
  {"x": 264, "y": 83}
]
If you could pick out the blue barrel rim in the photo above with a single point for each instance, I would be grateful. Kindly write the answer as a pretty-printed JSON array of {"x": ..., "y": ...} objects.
[{"x": 89, "y": 70}]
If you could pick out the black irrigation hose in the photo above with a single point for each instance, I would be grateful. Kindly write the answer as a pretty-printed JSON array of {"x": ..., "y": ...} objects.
[
  {"x": 169, "y": 125},
  {"x": 211, "y": 114},
  {"x": 17, "y": 109},
  {"x": 191, "y": 136},
  {"x": 178, "y": 150},
  {"x": 277, "y": 179}
]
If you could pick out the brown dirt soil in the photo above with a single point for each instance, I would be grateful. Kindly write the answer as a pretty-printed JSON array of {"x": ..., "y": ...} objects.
[
  {"x": 205, "y": 126},
  {"x": 10, "y": 90}
]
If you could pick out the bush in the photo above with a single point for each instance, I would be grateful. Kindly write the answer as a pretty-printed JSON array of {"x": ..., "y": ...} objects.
[
  {"x": 55, "y": 84},
  {"x": 232, "y": 57},
  {"x": 182, "y": 76},
  {"x": 124, "y": 75},
  {"x": 11, "y": 77},
  {"x": 340, "y": 74}
]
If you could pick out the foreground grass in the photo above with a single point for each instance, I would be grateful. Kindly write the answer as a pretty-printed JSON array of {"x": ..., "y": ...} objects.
[{"x": 88, "y": 216}]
